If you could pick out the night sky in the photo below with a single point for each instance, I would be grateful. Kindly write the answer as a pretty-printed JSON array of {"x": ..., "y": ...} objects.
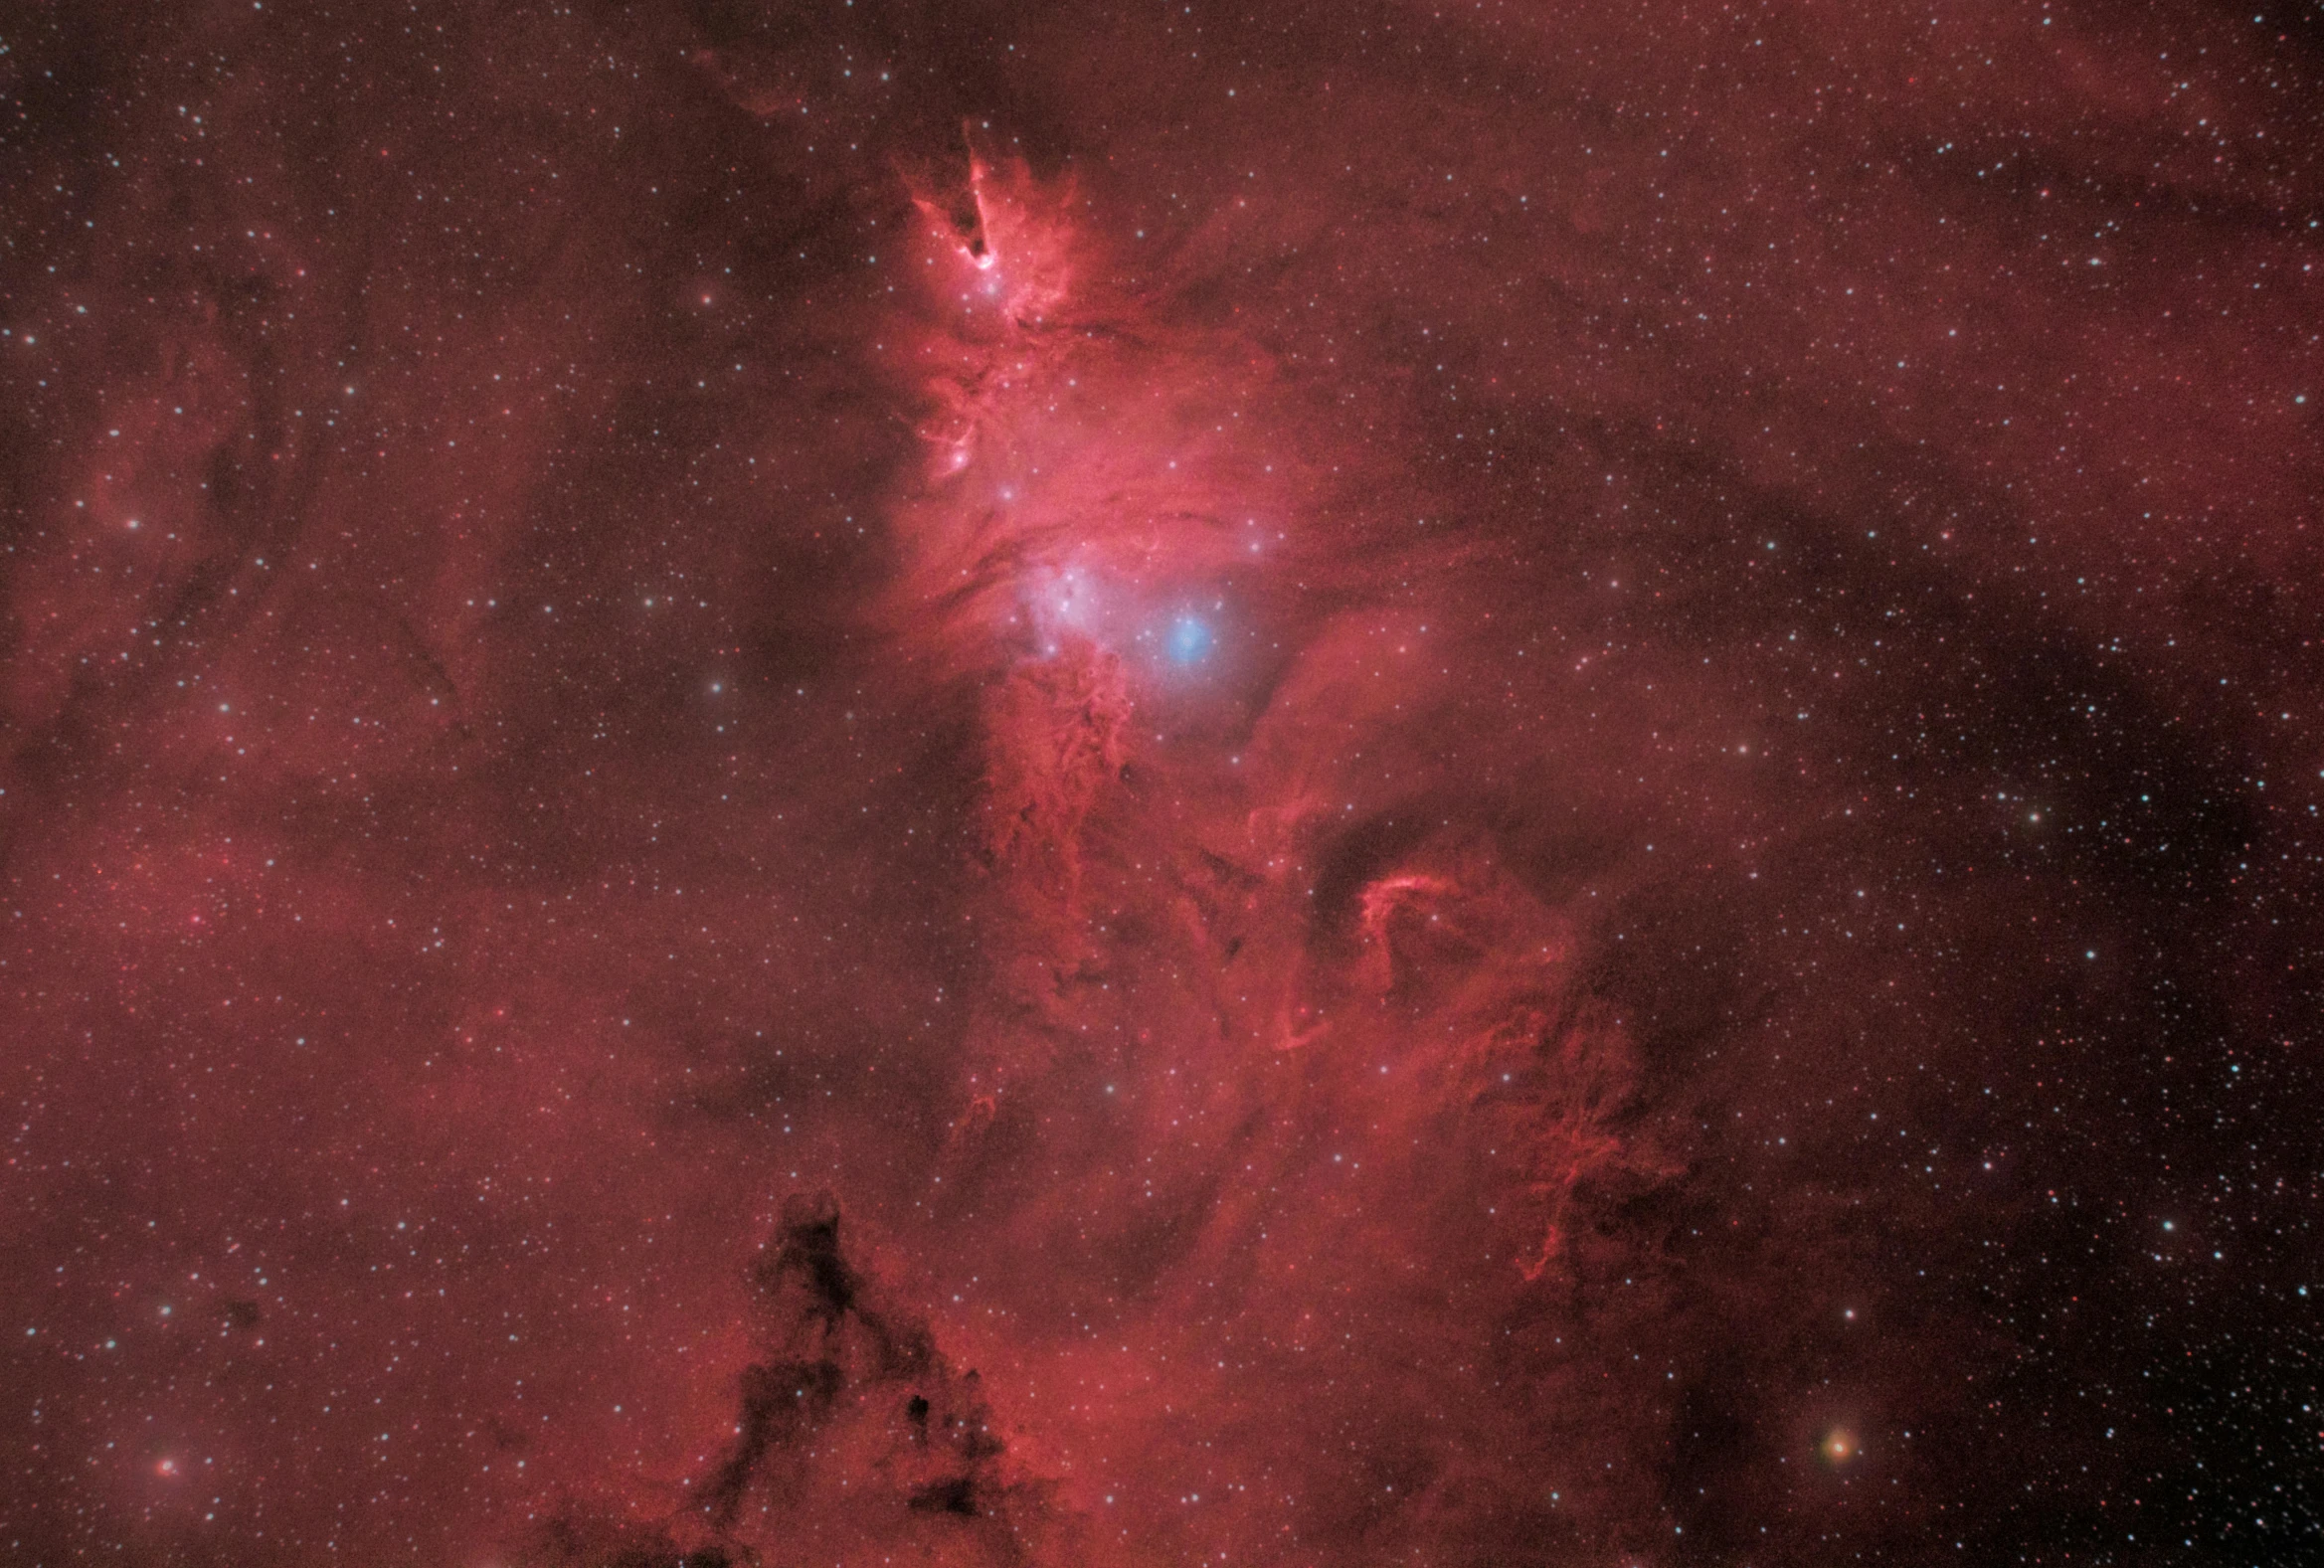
[{"x": 1082, "y": 785}]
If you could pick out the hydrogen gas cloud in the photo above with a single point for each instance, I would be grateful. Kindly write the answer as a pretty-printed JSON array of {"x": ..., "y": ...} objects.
[{"x": 839, "y": 782}]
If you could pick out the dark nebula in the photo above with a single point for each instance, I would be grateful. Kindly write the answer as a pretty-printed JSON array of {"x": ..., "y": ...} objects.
[{"x": 842, "y": 782}]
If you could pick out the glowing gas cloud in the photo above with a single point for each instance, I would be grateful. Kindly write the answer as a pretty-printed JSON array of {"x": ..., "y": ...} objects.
[{"x": 874, "y": 780}]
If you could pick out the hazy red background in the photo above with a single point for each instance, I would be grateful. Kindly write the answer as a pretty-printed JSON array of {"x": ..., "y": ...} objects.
[{"x": 1070, "y": 785}]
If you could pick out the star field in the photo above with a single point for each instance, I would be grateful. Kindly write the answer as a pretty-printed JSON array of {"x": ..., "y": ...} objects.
[{"x": 842, "y": 782}]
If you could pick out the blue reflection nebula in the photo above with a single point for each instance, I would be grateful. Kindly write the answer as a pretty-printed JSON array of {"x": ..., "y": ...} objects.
[{"x": 1190, "y": 640}]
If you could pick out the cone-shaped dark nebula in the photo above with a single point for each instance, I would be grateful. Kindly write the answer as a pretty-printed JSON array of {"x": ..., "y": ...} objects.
[{"x": 1079, "y": 785}]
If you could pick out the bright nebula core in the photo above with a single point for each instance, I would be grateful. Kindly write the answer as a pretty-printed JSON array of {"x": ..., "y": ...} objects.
[
  {"x": 807, "y": 782},
  {"x": 1189, "y": 640}
]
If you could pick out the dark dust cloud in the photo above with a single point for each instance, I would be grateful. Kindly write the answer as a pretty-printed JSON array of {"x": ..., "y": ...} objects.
[{"x": 802, "y": 782}]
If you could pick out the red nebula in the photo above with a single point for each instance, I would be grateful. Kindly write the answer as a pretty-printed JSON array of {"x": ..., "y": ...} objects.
[{"x": 947, "y": 783}]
